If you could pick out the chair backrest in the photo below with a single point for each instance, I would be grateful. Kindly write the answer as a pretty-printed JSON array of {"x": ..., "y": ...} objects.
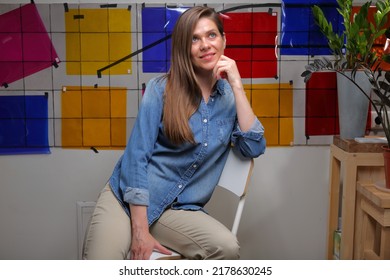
[
  {"x": 235, "y": 178},
  {"x": 236, "y": 173}
]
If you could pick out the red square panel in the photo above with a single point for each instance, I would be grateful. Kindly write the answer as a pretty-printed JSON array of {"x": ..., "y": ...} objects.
[
  {"x": 253, "y": 51},
  {"x": 238, "y": 22},
  {"x": 265, "y": 22},
  {"x": 239, "y": 54},
  {"x": 245, "y": 68},
  {"x": 264, "y": 69},
  {"x": 239, "y": 39},
  {"x": 321, "y": 105},
  {"x": 236, "y": 46}
]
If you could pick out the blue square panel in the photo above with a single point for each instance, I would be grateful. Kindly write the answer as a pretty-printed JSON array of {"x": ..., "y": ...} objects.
[
  {"x": 157, "y": 26},
  {"x": 24, "y": 125},
  {"x": 299, "y": 33}
]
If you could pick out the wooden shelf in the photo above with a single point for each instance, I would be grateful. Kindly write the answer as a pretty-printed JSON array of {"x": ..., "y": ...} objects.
[
  {"x": 350, "y": 161},
  {"x": 351, "y": 146}
]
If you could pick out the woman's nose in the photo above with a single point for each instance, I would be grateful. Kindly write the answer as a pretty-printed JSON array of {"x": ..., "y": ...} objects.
[{"x": 204, "y": 44}]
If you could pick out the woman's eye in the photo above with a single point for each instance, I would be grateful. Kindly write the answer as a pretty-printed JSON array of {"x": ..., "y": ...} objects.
[
  {"x": 194, "y": 39},
  {"x": 212, "y": 35}
]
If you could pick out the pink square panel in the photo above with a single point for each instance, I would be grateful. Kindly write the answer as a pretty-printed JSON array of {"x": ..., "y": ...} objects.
[{"x": 25, "y": 46}]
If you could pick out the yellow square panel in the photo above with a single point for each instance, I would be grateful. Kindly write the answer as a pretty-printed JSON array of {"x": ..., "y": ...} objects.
[
  {"x": 73, "y": 68},
  {"x": 118, "y": 132},
  {"x": 73, "y": 47},
  {"x": 71, "y": 104},
  {"x": 286, "y": 131},
  {"x": 90, "y": 46},
  {"x": 271, "y": 100},
  {"x": 118, "y": 103},
  {"x": 72, "y": 20},
  {"x": 96, "y": 103},
  {"x": 122, "y": 43},
  {"x": 104, "y": 117},
  {"x": 271, "y": 130},
  {"x": 90, "y": 68},
  {"x": 72, "y": 133},
  {"x": 265, "y": 102},
  {"x": 273, "y": 105},
  {"x": 93, "y": 20},
  {"x": 119, "y": 20},
  {"x": 286, "y": 102},
  {"x": 119, "y": 69},
  {"x": 94, "y": 47},
  {"x": 96, "y": 132}
]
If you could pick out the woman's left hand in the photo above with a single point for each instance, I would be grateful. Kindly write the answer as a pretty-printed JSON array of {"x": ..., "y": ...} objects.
[{"x": 226, "y": 68}]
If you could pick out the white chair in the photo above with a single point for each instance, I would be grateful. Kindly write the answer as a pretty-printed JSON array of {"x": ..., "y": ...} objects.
[{"x": 235, "y": 178}]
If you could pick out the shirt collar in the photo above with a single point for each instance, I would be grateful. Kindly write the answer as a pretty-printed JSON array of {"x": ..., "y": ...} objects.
[{"x": 219, "y": 87}]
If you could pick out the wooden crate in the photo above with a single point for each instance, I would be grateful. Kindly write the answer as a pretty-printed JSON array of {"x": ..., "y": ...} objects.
[{"x": 375, "y": 226}]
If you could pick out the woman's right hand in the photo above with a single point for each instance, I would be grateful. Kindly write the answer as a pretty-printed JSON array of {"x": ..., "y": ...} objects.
[{"x": 142, "y": 242}]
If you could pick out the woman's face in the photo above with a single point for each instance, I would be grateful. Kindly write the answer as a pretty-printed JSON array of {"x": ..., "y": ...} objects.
[{"x": 207, "y": 45}]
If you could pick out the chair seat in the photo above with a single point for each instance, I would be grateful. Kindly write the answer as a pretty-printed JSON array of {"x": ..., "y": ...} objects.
[{"x": 159, "y": 256}]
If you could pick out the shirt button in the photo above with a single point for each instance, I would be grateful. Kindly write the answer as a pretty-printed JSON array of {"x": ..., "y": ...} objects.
[
  {"x": 194, "y": 166},
  {"x": 205, "y": 144},
  {"x": 205, "y": 120},
  {"x": 212, "y": 99},
  {"x": 180, "y": 186}
]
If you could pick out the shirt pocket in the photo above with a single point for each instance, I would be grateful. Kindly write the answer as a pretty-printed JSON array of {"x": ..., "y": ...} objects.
[{"x": 225, "y": 128}]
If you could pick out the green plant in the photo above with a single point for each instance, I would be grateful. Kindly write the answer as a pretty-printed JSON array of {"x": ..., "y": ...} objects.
[
  {"x": 354, "y": 45},
  {"x": 353, "y": 50},
  {"x": 380, "y": 85}
]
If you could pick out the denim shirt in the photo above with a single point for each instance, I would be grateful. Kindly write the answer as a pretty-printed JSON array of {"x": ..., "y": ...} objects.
[{"x": 155, "y": 173}]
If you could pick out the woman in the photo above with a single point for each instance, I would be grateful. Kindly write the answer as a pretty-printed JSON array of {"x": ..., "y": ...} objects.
[{"x": 176, "y": 152}]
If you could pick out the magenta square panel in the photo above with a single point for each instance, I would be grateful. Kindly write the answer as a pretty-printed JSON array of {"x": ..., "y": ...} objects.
[{"x": 25, "y": 45}]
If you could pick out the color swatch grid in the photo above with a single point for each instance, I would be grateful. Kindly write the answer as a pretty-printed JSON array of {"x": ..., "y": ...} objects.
[{"x": 72, "y": 75}]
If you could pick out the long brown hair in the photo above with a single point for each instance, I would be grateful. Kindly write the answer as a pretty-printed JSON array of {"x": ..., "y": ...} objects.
[{"x": 182, "y": 93}]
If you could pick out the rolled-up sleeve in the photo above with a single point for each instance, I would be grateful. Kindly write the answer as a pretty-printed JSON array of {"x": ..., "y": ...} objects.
[
  {"x": 251, "y": 143},
  {"x": 136, "y": 196}
]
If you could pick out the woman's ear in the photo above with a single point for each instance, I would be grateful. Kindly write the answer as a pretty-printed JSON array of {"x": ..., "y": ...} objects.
[{"x": 224, "y": 40}]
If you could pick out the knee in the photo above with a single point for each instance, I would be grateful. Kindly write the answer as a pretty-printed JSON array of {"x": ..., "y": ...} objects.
[
  {"x": 231, "y": 251},
  {"x": 225, "y": 249}
]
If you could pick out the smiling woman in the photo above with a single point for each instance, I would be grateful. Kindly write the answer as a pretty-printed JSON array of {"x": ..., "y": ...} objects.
[{"x": 179, "y": 144}]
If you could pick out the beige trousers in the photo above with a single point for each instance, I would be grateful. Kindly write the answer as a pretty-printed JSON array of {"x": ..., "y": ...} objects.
[{"x": 193, "y": 234}]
